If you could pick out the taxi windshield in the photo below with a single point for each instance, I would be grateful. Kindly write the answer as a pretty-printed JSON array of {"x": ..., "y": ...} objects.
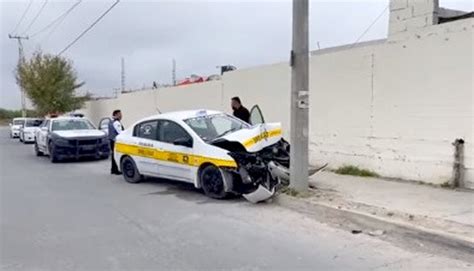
[
  {"x": 210, "y": 127},
  {"x": 71, "y": 124}
]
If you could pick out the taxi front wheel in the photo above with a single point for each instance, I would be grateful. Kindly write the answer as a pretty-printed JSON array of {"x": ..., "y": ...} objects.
[
  {"x": 212, "y": 182},
  {"x": 129, "y": 170}
]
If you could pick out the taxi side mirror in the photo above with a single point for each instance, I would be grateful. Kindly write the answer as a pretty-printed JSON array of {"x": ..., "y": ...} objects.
[{"x": 44, "y": 129}]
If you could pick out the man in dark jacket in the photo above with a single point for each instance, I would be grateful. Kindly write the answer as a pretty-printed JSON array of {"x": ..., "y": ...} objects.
[
  {"x": 115, "y": 128},
  {"x": 239, "y": 110}
]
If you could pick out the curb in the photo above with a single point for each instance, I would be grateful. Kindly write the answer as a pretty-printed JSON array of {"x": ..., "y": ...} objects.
[{"x": 404, "y": 234}]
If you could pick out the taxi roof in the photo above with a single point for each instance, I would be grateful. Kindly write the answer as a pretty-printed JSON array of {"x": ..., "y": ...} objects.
[{"x": 183, "y": 115}]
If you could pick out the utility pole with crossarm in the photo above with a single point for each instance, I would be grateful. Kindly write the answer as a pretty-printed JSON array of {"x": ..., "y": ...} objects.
[{"x": 21, "y": 58}]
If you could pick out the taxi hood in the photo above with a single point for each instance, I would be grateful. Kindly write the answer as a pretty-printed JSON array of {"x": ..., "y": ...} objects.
[
  {"x": 255, "y": 138},
  {"x": 80, "y": 133}
]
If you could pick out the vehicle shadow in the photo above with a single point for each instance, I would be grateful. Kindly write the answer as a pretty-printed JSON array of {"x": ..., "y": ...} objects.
[
  {"x": 26, "y": 143},
  {"x": 82, "y": 160},
  {"x": 186, "y": 191}
]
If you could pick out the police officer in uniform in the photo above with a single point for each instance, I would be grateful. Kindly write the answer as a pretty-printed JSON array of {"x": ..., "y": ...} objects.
[{"x": 115, "y": 128}]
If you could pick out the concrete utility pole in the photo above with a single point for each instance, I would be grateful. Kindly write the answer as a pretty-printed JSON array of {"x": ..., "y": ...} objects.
[
  {"x": 299, "y": 97},
  {"x": 21, "y": 58},
  {"x": 122, "y": 77},
  {"x": 173, "y": 73}
]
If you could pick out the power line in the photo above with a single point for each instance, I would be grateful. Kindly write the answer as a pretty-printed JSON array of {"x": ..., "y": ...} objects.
[
  {"x": 58, "y": 19},
  {"x": 90, "y": 27},
  {"x": 22, "y": 16},
  {"x": 370, "y": 26},
  {"x": 36, "y": 17}
]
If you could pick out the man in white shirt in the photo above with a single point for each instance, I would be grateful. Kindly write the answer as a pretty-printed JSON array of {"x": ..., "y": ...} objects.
[{"x": 115, "y": 128}]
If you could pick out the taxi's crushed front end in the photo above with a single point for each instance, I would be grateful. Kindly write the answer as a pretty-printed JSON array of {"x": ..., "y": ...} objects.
[
  {"x": 260, "y": 174},
  {"x": 262, "y": 165}
]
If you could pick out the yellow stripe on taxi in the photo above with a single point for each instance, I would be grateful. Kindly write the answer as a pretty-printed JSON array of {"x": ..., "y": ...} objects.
[
  {"x": 262, "y": 136},
  {"x": 173, "y": 157}
]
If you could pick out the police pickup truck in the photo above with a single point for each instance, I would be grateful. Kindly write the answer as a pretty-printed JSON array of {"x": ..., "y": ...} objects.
[{"x": 70, "y": 138}]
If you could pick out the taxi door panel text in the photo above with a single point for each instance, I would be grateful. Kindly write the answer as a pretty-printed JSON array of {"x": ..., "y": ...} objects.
[
  {"x": 147, "y": 148},
  {"x": 177, "y": 146}
]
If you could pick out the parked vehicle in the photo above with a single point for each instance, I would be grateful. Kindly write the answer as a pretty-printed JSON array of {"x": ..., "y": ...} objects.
[
  {"x": 70, "y": 137},
  {"x": 104, "y": 125},
  {"x": 15, "y": 126},
  {"x": 212, "y": 150},
  {"x": 27, "y": 131}
]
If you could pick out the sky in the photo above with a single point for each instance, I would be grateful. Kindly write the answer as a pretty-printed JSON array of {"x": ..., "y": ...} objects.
[{"x": 199, "y": 34}]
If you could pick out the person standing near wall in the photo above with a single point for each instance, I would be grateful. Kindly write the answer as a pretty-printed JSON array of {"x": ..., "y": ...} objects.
[
  {"x": 115, "y": 128},
  {"x": 239, "y": 110}
]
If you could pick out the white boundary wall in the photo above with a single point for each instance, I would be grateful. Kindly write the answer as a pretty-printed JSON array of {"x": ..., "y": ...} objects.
[{"x": 393, "y": 107}]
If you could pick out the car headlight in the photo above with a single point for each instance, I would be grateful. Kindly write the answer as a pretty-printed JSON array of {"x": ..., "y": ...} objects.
[{"x": 61, "y": 142}]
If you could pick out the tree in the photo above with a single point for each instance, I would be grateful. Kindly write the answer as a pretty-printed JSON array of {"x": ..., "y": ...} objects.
[{"x": 50, "y": 82}]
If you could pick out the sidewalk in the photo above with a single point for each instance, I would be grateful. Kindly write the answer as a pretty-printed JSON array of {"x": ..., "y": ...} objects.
[
  {"x": 399, "y": 197},
  {"x": 367, "y": 204}
]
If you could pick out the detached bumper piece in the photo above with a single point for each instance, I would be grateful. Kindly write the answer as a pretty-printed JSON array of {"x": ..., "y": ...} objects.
[{"x": 260, "y": 194}]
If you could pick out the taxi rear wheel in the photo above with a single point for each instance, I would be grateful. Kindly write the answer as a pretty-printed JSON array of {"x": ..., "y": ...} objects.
[
  {"x": 212, "y": 182},
  {"x": 129, "y": 170}
]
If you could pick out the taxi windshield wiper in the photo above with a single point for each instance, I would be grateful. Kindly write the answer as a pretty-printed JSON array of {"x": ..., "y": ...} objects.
[{"x": 229, "y": 131}]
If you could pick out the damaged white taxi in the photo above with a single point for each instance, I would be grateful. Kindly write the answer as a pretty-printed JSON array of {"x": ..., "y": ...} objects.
[{"x": 216, "y": 152}]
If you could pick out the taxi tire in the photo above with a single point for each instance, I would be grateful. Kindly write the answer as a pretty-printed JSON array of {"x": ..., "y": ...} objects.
[
  {"x": 129, "y": 170},
  {"x": 212, "y": 182}
]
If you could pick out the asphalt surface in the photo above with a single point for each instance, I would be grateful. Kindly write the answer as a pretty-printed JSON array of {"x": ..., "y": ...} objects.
[{"x": 75, "y": 216}]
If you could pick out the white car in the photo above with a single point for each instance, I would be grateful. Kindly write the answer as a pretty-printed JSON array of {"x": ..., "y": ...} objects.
[
  {"x": 28, "y": 129},
  {"x": 15, "y": 126},
  {"x": 70, "y": 138},
  {"x": 212, "y": 150}
]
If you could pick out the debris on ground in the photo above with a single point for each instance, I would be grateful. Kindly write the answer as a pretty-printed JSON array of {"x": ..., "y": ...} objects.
[{"x": 376, "y": 233}]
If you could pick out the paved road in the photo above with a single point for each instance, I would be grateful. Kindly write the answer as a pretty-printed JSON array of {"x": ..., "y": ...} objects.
[{"x": 74, "y": 216}]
